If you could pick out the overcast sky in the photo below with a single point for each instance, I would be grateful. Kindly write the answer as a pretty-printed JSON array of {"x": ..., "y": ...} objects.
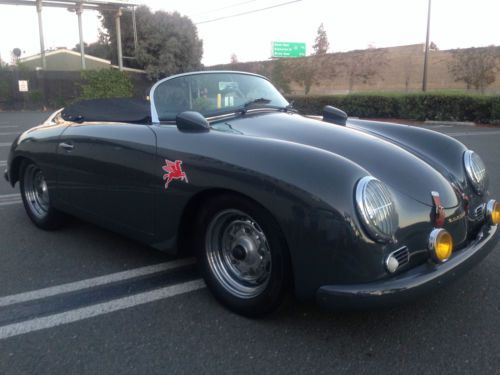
[{"x": 350, "y": 24}]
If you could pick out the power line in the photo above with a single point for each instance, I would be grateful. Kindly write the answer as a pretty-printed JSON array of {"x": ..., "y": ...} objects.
[
  {"x": 226, "y": 7},
  {"x": 248, "y": 12}
]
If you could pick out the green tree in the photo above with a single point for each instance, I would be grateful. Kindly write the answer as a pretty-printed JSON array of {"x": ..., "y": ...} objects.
[
  {"x": 321, "y": 43},
  {"x": 309, "y": 71},
  {"x": 476, "y": 67},
  {"x": 280, "y": 75},
  {"x": 100, "y": 48},
  {"x": 168, "y": 43}
]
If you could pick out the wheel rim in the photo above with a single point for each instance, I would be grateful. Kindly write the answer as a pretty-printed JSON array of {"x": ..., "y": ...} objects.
[
  {"x": 238, "y": 253},
  {"x": 36, "y": 191}
]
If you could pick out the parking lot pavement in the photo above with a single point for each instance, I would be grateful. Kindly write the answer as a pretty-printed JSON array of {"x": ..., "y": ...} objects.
[{"x": 84, "y": 300}]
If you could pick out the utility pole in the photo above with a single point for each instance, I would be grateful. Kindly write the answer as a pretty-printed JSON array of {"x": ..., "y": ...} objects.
[
  {"x": 134, "y": 26},
  {"x": 79, "y": 11},
  {"x": 426, "y": 57},
  {"x": 118, "y": 14},
  {"x": 40, "y": 32}
]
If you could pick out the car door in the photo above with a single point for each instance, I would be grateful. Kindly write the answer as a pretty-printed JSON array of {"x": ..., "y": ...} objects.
[{"x": 106, "y": 173}]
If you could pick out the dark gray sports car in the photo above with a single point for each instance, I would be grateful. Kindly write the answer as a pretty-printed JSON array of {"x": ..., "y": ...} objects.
[{"x": 348, "y": 212}]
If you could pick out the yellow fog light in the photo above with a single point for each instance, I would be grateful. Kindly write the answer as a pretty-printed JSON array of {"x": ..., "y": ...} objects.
[
  {"x": 493, "y": 212},
  {"x": 440, "y": 245}
]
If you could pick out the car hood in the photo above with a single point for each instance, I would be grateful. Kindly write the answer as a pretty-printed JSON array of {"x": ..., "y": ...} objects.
[{"x": 395, "y": 166}]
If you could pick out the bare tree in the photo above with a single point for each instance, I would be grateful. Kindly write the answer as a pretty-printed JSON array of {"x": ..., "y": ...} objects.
[
  {"x": 407, "y": 69},
  {"x": 321, "y": 43},
  {"x": 364, "y": 66},
  {"x": 476, "y": 67},
  {"x": 234, "y": 58}
]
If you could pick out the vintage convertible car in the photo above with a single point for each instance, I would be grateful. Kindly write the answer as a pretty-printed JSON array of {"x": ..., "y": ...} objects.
[{"x": 348, "y": 212}]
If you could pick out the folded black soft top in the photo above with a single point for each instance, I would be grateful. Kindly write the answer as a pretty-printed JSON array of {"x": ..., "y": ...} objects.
[{"x": 112, "y": 110}]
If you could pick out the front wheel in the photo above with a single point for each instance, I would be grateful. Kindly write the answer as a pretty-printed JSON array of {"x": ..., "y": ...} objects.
[
  {"x": 36, "y": 197},
  {"x": 242, "y": 254}
]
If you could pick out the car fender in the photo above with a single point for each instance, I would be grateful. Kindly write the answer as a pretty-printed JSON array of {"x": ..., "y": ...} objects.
[
  {"x": 441, "y": 151},
  {"x": 309, "y": 191}
]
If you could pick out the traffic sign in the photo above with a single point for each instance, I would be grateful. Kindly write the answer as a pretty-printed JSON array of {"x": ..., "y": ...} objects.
[
  {"x": 23, "y": 86},
  {"x": 287, "y": 49}
]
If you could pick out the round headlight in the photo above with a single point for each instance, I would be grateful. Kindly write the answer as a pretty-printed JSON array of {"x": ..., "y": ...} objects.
[
  {"x": 476, "y": 171},
  {"x": 376, "y": 209}
]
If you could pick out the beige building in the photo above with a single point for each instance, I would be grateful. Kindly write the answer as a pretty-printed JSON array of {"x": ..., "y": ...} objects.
[{"x": 63, "y": 59}]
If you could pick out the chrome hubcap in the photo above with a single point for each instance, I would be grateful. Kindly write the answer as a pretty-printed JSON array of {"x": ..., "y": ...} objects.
[
  {"x": 36, "y": 191},
  {"x": 238, "y": 253}
]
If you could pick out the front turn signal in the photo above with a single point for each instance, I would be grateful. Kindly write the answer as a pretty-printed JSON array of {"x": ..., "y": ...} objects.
[
  {"x": 440, "y": 245},
  {"x": 493, "y": 212}
]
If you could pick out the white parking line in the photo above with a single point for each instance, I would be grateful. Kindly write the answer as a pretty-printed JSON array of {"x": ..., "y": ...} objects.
[
  {"x": 438, "y": 126},
  {"x": 71, "y": 316},
  {"x": 9, "y": 203},
  {"x": 3, "y": 126},
  {"x": 8, "y": 196},
  {"x": 5, "y": 144},
  {"x": 9, "y": 133},
  {"x": 3, "y": 163},
  {"x": 93, "y": 282},
  {"x": 8, "y": 199}
]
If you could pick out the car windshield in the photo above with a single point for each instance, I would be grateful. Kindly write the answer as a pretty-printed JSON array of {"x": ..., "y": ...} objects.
[{"x": 214, "y": 93}]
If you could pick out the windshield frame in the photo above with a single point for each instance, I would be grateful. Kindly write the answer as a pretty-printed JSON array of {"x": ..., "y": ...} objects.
[{"x": 154, "y": 113}]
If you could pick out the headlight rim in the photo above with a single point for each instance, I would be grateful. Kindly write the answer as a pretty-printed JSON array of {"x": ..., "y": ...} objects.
[
  {"x": 478, "y": 186},
  {"x": 374, "y": 233}
]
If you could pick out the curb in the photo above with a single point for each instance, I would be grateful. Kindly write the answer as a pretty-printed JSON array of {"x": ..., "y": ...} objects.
[{"x": 459, "y": 123}]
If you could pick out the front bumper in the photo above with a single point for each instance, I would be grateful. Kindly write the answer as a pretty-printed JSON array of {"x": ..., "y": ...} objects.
[{"x": 411, "y": 284}]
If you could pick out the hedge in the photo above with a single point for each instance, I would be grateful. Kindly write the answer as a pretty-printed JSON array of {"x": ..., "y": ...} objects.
[
  {"x": 106, "y": 83},
  {"x": 441, "y": 107}
]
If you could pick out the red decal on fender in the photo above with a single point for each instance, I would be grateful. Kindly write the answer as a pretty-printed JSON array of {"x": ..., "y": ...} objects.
[{"x": 173, "y": 171}]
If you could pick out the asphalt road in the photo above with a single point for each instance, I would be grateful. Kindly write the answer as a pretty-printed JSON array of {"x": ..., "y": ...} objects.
[{"x": 84, "y": 300}]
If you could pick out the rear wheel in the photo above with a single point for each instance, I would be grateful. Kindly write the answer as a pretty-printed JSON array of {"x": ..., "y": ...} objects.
[
  {"x": 36, "y": 197},
  {"x": 243, "y": 256}
]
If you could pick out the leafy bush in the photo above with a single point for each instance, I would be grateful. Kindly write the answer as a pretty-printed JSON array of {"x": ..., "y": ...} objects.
[
  {"x": 35, "y": 97},
  {"x": 440, "y": 106},
  {"x": 495, "y": 110},
  {"x": 105, "y": 83},
  {"x": 4, "y": 91}
]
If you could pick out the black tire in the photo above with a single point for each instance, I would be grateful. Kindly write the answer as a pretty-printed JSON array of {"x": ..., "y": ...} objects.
[
  {"x": 36, "y": 200},
  {"x": 272, "y": 280}
]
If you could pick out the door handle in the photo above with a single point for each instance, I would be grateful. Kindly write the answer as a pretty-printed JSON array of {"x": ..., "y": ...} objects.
[{"x": 67, "y": 146}]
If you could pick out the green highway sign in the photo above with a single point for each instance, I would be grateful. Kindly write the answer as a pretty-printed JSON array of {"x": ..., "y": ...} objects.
[{"x": 286, "y": 49}]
